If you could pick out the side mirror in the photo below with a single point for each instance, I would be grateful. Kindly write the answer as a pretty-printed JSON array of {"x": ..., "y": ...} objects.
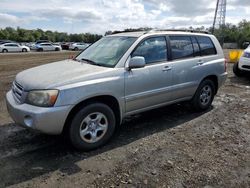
[{"x": 136, "y": 62}]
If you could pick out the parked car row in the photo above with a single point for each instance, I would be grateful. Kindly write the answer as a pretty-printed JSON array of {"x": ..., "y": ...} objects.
[{"x": 41, "y": 45}]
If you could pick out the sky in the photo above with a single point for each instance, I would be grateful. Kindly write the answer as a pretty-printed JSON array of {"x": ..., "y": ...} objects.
[{"x": 98, "y": 16}]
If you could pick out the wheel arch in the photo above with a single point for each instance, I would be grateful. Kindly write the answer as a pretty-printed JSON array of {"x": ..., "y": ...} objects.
[
  {"x": 109, "y": 100},
  {"x": 214, "y": 79}
]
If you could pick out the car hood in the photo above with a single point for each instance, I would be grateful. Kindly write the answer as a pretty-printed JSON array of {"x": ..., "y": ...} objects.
[
  {"x": 57, "y": 74},
  {"x": 247, "y": 50}
]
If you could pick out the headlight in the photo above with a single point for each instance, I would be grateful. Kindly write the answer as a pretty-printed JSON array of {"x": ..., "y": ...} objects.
[
  {"x": 246, "y": 54},
  {"x": 43, "y": 98}
]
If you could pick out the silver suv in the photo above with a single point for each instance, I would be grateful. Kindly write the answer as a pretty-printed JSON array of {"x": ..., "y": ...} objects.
[{"x": 119, "y": 75}]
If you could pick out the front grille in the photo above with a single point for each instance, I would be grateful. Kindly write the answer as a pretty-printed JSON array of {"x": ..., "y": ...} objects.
[
  {"x": 246, "y": 66},
  {"x": 17, "y": 90}
]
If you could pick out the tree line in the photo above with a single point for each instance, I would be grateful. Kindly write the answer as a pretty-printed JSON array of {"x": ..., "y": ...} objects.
[
  {"x": 24, "y": 35},
  {"x": 229, "y": 33}
]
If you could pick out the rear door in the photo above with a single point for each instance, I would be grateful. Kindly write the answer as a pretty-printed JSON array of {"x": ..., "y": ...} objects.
[
  {"x": 189, "y": 55},
  {"x": 16, "y": 48},
  {"x": 149, "y": 86}
]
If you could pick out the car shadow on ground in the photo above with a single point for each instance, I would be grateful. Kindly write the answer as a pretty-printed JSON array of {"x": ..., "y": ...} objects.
[
  {"x": 242, "y": 81},
  {"x": 26, "y": 155}
]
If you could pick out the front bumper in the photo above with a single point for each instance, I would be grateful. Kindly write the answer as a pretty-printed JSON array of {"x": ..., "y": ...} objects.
[
  {"x": 47, "y": 120},
  {"x": 244, "y": 64}
]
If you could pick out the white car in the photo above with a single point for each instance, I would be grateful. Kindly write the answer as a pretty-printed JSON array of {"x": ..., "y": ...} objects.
[
  {"x": 48, "y": 47},
  {"x": 243, "y": 66},
  {"x": 13, "y": 47},
  {"x": 78, "y": 46}
]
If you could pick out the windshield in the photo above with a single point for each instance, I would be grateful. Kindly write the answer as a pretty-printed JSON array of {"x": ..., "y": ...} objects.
[{"x": 107, "y": 51}]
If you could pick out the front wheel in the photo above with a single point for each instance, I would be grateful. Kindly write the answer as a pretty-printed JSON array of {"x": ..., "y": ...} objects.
[
  {"x": 204, "y": 95},
  {"x": 24, "y": 50},
  {"x": 4, "y": 50},
  {"x": 92, "y": 127},
  {"x": 237, "y": 71}
]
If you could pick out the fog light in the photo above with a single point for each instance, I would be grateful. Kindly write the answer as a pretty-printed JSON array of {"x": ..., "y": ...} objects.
[{"x": 28, "y": 121}]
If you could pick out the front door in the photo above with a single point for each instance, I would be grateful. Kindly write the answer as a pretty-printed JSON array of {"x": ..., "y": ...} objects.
[{"x": 149, "y": 86}]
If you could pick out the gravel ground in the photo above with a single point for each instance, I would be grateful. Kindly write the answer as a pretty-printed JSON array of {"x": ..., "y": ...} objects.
[{"x": 166, "y": 147}]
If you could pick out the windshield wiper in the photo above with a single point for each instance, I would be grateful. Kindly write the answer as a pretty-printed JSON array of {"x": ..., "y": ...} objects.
[{"x": 91, "y": 62}]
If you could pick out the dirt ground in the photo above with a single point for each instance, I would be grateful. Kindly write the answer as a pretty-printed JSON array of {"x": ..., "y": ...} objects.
[{"x": 167, "y": 147}]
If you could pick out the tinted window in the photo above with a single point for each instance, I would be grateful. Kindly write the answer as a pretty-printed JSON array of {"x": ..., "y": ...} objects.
[
  {"x": 152, "y": 49},
  {"x": 181, "y": 47},
  {"x": 46, "y": 45},
  {"x": 206, "y": 45},
  {"x": 196, "y": 47},
  {"x": 12, "y": 45}
]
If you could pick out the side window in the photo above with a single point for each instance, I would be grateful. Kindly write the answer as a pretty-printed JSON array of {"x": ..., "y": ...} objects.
[
  {"x": 153, "y": 50},
  {"x": 206, "y": 45},
  {"x": 181, "y": 47},
  {"x": 196, "y": 47}
]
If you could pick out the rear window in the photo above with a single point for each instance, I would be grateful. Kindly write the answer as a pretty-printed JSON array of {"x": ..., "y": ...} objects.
[
  {"x": 181, "y": 47},
  {"x": 206, "y": 45}
]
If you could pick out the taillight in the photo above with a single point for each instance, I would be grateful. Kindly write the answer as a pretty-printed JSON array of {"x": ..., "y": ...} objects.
[{"x": 225, "y": 65}]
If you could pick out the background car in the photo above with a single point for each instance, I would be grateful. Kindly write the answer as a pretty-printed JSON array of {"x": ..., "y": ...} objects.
[
  {"x": 78, "y": 46},
  {"x": 6, "y": 41},
  {"x": 243, "y": 66},
  {"x": 13, "y": 47},
  {"x": 65, "y": 45},
  {"x": 48, "y": 47}
]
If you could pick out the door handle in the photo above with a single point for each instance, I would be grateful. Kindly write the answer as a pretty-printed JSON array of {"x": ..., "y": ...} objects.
[
  {"x": 200, "y": 62},
  {"x": 167, "y": 68}
]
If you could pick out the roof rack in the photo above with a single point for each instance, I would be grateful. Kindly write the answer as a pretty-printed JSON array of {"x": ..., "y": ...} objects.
[{"x": 182, "y": 30}]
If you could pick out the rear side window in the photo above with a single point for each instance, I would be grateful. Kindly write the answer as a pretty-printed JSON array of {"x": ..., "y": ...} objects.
[
  {"x": 206, "y": 45},
  {"x": 181, "y": 47},
  {"x": 152, "y": 49},
  {"x": 195, "y": 46}
]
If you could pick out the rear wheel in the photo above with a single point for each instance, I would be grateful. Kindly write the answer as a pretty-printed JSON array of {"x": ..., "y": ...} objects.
[
  {"x": 4, "y": 50},
  {"x": 237, "y": 71},
  {"x": 57, "y": 49},
  {"x": 204, "y": 95},
  {"x": 76, "y": 49},
  {"x": 24, "y": 50},
  {"x": 40, "y": 49},
  {"x": 92, "y": 127}
]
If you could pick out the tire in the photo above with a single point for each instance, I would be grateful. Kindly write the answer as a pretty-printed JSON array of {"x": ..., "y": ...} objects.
[
  {"x": 57, "y": 49},
  {"x": 204, "y": 95},
  {"x": 76, "y": 49},
  {"x": 24, "y": 50},
  {"x": 40, "y": 49},
  {"x": 4, "y": 50},
  {"x": 88, "y": 120},
  {"x": 237, "y": 71}
]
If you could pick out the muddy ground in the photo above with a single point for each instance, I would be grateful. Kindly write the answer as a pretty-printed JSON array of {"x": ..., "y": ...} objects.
[{"x": 167, "y": 147}]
